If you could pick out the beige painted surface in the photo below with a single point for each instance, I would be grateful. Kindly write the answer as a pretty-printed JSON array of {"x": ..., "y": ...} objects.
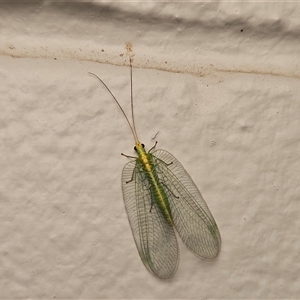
[{"x": 220, "y": 84}]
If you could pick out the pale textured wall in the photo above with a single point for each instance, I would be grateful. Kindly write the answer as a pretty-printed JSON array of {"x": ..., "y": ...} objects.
[{"x": 218, "y": 81}]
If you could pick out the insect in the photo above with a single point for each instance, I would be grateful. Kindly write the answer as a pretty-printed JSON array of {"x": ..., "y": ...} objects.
[{"x": 159, "y": 196}]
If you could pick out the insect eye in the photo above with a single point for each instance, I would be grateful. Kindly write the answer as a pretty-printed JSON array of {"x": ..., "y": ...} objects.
[
  {"x": 143, "y": 145},
  {"x": 134, "y": 148}
]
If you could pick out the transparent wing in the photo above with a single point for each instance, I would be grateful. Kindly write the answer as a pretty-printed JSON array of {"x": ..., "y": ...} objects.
[
  {"x": 154, "y": 236},
  {"x": 192, "y": 218}
]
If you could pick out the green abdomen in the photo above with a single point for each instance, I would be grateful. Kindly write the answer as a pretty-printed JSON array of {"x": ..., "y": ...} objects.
[{"x": 159, "y": 196}]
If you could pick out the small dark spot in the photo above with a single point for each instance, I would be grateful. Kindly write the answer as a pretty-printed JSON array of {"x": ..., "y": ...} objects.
[
  {"x": 55, "y": 58},
  {"x": 102, "y": 50},
  {"x": 242, "y": 30}
]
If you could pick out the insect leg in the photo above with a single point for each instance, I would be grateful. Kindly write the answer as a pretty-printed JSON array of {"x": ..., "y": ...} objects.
[
  {"x": 152, "y": 201},
  {"x": 167, "y": 164},
  {"x": 170, "y": 190},
  {"x": 128, "y": 155},
  {"x": 133, "y": 172},
  {"x": 153, "y": 147}
]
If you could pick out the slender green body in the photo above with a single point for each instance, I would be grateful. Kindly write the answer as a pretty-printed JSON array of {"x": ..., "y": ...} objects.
[{"x": 145, "y": 161}]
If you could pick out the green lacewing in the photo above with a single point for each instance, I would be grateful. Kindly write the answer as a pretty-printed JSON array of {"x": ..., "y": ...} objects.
[{"x": 159, "y": 195}]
